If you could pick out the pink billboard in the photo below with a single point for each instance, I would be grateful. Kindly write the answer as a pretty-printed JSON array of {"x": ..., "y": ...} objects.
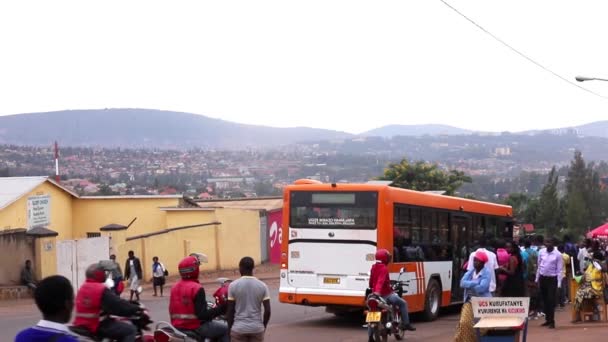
[{"x": 275, "y": 235}]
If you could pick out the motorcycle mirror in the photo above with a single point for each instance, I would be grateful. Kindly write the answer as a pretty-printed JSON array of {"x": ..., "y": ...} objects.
[
  {"x": 222, "y": 280},
  {"x": 401, "y": 270},
  {"x": 109, "y": 283},
  {"x": 202, "y": 258}
]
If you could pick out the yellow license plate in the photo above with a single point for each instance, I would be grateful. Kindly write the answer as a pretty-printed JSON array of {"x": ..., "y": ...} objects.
[
  {"x": 331, "y": 280},
  {"x": 373, "y": 316}
]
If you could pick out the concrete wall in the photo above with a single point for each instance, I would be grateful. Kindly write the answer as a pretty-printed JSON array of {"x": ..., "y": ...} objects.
[
  {"x": 91, "y": 214},
  {"x": 15, "y": 248},
  {"x": 15, "y": 215}
]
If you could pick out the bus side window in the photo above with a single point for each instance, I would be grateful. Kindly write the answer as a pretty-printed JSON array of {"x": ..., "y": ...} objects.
[{"x": 401, "y": 231}]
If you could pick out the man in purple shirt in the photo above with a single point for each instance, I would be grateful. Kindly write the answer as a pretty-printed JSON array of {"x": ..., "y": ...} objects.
[{"x": 549, "y": 278}]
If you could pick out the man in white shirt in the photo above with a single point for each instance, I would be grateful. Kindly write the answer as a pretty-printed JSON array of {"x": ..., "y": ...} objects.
[{"x": 491, "y": 265}]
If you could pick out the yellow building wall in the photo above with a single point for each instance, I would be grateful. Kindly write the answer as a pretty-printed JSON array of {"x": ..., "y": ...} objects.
[
  {"x": 238, "y": 236},
  {"x": 92, "y": 214},
  {"x": 172, "y": 247},
  {"x": 15, "y": 215},
  {"x": 181, "y": 218}
]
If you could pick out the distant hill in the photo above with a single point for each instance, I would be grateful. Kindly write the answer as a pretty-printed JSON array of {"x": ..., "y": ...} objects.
[
  {"x": 147, "y": 128},
  {"x": 415, "y": 130},
  {"x": 594, "y": 129}
]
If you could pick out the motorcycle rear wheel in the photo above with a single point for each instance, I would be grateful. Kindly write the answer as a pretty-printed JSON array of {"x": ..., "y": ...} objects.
[
  {"x": 398, "y": 333},
  {"x": 379, "y": 336}
]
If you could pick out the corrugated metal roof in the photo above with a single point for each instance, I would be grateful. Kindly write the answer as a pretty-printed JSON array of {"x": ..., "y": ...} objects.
[
  {"x": 267, "y": 204},
  {"x": 13, "y": 188}
]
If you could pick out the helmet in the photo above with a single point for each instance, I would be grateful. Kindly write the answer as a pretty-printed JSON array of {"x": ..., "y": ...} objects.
[
  {"x": 96, "y": 273},
  {"x": 383, "y": 256},
  {"x": 188, "y": 267}
]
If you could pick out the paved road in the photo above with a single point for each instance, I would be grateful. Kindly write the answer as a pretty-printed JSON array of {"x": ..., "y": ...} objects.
[{"x": 297, "y": 323}]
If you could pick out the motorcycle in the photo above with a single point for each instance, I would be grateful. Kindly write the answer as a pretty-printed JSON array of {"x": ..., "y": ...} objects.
[
  {"x": 221, "y": 294},
  {"x": 382, "y": 318},
  {"x": 140, "y": 321},
  {"x": 166, "y": 332}
]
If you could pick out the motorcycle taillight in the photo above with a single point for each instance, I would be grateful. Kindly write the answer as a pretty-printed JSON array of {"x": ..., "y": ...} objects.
[
  {"x": 372, "y": 304},
  {"x": 161, "y": 336}
]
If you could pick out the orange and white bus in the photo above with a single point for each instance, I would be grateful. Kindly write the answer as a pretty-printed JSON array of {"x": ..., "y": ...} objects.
[{"x": 333, "y": 231}]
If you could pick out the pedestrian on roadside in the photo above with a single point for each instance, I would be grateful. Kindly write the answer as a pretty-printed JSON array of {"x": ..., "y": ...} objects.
[
  {"x": 571, "y": 249},
  {"x": 116, "y": 275},
  {"x": 502, "y": 256},
  {"x": 133, "y": 273},
  {"x": 27, "y": 275},
  {"x": 54, "y": 297},
  {"x": 532, "y": 286},
  {"x": 549, "y": 278},
  {"x": 564, "y": 292},
  {"x": 491, "y": 265},
  {"x": 476, "y": 283},
  {"x": 513, "y": 285},
  {"x": 538, "y": 245},
  {"x": 583, "y": 255},
  {"x": 158, "y": 275},
  {"x": 246, "y": 297}
]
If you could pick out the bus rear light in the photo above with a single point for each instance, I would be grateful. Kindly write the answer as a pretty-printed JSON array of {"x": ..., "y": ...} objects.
[{"x": 283, "y": 265}]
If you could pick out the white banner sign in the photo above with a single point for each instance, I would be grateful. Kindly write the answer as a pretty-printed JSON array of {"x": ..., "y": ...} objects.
[
  {"x": 500, "y": 307},
  {"x": 38, "y": 211}
]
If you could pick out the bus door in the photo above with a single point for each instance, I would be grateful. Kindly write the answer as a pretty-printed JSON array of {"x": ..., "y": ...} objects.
[
  {"x": 460, "y": 236},
  {"x": 332, "y": 240}
]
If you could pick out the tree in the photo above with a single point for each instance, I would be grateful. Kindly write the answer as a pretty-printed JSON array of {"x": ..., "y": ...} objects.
[
  {"x": 578, "y": 186},
  {"x": 519, "y": 202},
  {"x": 105, "y": 190},
  {"x": 263, "y": 188},
  {"x": 577, "y": 213},
  {"x": 423, "y": 176},
  {"x": 548, "y": 215}
]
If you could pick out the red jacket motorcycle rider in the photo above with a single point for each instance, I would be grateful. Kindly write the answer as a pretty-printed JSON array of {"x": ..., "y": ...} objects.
[
  {"x": 380, "y": 283},
  {"x": 188, "y": 304},
  {"x": 94, "y": 301}
]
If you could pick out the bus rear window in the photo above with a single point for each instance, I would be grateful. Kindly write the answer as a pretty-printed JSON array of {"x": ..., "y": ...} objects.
[{"x": 355, "y": 210}]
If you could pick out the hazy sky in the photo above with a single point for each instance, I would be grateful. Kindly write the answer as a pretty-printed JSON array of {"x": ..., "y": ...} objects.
[{"x": 345, "y": 65}]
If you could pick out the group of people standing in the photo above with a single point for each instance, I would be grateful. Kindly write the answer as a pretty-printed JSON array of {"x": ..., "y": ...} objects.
[
  {"x": 505, "y": 269},
  {"x": 134, "y": 274}
]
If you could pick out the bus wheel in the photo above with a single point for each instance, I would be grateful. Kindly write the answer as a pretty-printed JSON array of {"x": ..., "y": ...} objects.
[{"x": 432, "y": 300}]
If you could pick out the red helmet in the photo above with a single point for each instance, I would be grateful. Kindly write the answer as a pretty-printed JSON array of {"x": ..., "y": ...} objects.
[
  {"x": 383, "y": 256},
  {"x": 96, "y": 273},
  {"x": 189, "y": 267}
]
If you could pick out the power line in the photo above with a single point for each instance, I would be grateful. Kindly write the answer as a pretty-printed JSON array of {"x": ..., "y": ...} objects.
[{"x": 529, "y": 59}]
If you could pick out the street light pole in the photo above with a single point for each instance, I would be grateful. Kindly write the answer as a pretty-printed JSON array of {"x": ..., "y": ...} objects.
[{"x": 583, "y": 79}]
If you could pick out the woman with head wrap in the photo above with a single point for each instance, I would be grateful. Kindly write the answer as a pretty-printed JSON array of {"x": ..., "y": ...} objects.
[
  {"x": 592, "y": 284},
  {"x": 476, "y": 283}
]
